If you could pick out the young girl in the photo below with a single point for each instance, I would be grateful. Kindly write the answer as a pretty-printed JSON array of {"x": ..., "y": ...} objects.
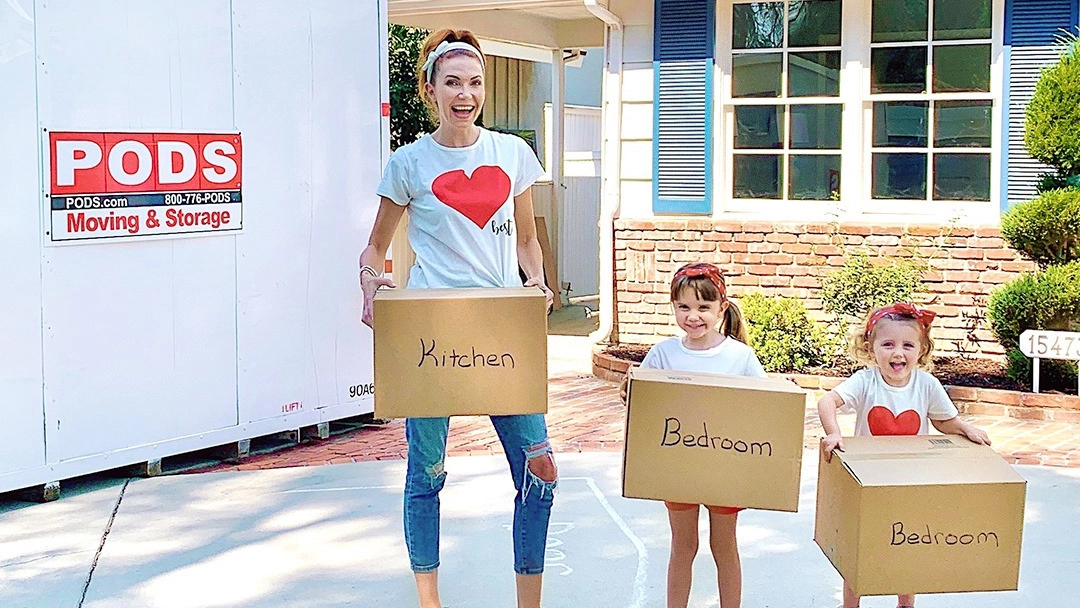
[
  {"x": 892, "y": 396},
  {"x": 715, "y": 342}
]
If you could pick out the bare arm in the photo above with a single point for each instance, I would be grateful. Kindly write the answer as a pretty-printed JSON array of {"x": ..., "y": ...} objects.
[
  {"x": 374, "y": 255},
  {"x": 826, "y": 408},
  {"x": 956, "y": 426},
  {"x": 530, "y": 256}
]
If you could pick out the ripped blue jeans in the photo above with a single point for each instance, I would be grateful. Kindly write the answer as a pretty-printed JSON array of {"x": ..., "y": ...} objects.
[{"x": 523, "y": 437}]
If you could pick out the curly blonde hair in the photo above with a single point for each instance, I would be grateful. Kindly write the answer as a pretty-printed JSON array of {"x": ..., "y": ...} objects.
[{"x": 861, "y": 344}]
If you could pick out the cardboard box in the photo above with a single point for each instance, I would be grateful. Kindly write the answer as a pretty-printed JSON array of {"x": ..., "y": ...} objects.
[
  {"x": 717, "y": 440},
  {"x": 450, "y": 352},
  {"x": 922, "y": 514}
]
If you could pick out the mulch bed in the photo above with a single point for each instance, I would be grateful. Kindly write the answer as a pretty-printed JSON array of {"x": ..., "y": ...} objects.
[{"x": 953, "y": 371}]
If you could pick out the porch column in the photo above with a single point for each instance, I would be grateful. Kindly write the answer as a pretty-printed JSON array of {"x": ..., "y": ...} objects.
[{"x": 558, "y": 133}]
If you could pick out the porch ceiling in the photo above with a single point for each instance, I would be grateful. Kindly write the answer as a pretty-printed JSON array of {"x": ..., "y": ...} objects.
[{"x": 550, "y": 24}]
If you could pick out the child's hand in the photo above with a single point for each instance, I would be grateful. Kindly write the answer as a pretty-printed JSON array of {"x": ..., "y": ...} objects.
[
  {"x": 975, "y": 434},
  {"x": 829, "y": 443},
  {"x": 622, "y": 388}
]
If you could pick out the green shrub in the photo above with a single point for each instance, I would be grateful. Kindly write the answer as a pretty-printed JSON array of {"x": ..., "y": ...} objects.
[
  {"x": 1047, "y": 228},
  {"x": 860, "y": 286},
  {"x": 1053, "y": 375},
  {"x": 1054, "y": 181},
  {"x": 782, "y": 334},
  {"x": 1043, "y": 300},
  {"x": 409, "y": 117},
  {"x": 1052, "y": 128}
]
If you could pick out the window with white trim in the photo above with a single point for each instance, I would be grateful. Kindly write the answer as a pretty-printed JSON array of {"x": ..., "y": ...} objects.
[
  {"x": 932, "y": 105},
  {"x": 889, "y": 106},
  {"x": 785, "y": 112}
]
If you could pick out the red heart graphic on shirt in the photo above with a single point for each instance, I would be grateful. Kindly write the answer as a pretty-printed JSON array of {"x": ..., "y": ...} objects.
[
  {"x": 478, "y": 197},
  {"x": 882, "y": 422}
]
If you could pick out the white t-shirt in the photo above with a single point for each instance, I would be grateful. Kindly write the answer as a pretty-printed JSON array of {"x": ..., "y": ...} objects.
[
  {"x": 882, "y": 409},
  {"x": 461, "y": 207},
  {"x": 730, "y": 357}
]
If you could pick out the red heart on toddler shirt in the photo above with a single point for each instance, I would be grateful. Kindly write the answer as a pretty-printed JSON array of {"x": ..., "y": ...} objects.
[
  {"x": 882, "y": 422},
  {"x": 478, "y": 197}
]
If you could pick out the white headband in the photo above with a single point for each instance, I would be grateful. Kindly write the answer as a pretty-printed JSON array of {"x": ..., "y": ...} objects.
[{"x": 444, "y": 48}]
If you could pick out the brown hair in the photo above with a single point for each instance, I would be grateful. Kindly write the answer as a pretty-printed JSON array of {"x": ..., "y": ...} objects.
[
  {"x": 861, "y": 343},
  {"x": 434, "y": 40},
  {"x": 704, "y": 288}
]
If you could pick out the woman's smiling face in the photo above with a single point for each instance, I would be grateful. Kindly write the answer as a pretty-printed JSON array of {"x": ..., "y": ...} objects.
[{"x": 457, "y": 86}]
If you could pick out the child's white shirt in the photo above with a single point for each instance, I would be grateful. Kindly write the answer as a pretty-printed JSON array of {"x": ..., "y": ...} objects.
[
  {"x": 730, "y": 357},
  {"x": 882, "y": 409}
]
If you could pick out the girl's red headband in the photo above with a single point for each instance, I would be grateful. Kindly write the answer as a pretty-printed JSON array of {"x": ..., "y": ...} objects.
[
  {"x": 922, "y": 316},
  {"x": 703, "y": 269}
]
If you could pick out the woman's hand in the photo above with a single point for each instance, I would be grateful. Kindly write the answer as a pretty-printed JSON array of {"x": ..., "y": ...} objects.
[
  {"x": 369, "y": 284},
  {"x": 623, "y": 386},
  {"x": 830, "y": 443},
  {"x": 547, "y": 292}
]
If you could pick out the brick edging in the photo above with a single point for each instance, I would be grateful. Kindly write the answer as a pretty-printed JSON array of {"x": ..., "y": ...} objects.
[
  {"x": 609, "y": 368},
  {"x": 969, "y": 400}
]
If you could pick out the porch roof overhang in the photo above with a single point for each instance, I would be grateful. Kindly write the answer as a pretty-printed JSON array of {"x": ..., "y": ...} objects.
[{"x": 548, "y": 24}]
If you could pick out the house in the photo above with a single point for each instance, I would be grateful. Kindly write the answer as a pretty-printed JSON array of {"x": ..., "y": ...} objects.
[
  {"x": 766, "y": 136},
  {"x": 521, "y": 86}
]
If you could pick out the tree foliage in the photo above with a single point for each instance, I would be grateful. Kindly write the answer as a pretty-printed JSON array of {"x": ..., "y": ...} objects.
[{"x": 409, "y": 117}]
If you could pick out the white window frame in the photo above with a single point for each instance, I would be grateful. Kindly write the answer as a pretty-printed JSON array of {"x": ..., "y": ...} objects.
[
  {"x": 987, "y": 210},
  {"x": 724, "y": 115},
  {"x": 857, "y": 135}
]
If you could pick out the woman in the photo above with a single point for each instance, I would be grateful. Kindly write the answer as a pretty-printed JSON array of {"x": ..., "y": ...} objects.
[{"x": 471, "y": 225}]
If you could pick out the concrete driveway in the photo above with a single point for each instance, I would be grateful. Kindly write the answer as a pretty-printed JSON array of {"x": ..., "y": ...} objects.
[{"x": 317, "y": 537}]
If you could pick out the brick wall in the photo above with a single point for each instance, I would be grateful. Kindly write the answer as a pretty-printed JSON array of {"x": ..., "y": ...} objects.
[{"x": 789, "y": 259}]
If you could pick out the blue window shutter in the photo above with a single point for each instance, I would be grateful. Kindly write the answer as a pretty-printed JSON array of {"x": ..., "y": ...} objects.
[
  {"x": 683, "y": 52},
  {"x": 1032, "y": 28},
  {"x": 1038, "y": 22}
]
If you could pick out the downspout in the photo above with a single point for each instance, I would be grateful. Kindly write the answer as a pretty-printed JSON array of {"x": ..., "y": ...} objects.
[{"x": 610, "y": 177}]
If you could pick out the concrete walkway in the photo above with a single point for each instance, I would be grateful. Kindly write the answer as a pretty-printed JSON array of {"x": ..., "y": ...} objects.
[{"x": 321, "y": 537}]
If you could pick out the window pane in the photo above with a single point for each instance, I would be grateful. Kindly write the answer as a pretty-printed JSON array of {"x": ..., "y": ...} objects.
[
  {"x": 759, "y": 127},
  {"x": 959, "y": 19},
  {"x": 757, "y": 176},
  {"x": 962, "y": 124},
  {"x": 816, "y": 127},
  {"x": 757, "y": 75},
  {"x": 962, "y": 68},
  {"x": 814, "y": 23},
  {"x": 900, "y": 124},
  {"x": 899, "y": 70},
  {"x": 962, "y": 177},
  {"x": 899, "y": 176},
  {"x": 758, "y": 25},
  {"x": 899, "y": 20},
  {"x": 814, "y": 74},
  {"x": 814, "y": 178}
]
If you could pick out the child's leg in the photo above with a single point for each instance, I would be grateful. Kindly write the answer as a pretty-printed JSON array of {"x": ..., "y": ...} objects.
[
  {"x": 725, "y": 550},
  {"x": 905, "y": 600},
  {"x": 850, "y": 599},
  {"x": 684, "y": 547}
]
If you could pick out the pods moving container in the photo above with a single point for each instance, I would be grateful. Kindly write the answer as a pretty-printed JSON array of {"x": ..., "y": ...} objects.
[{"x": 185, "y": 187}]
